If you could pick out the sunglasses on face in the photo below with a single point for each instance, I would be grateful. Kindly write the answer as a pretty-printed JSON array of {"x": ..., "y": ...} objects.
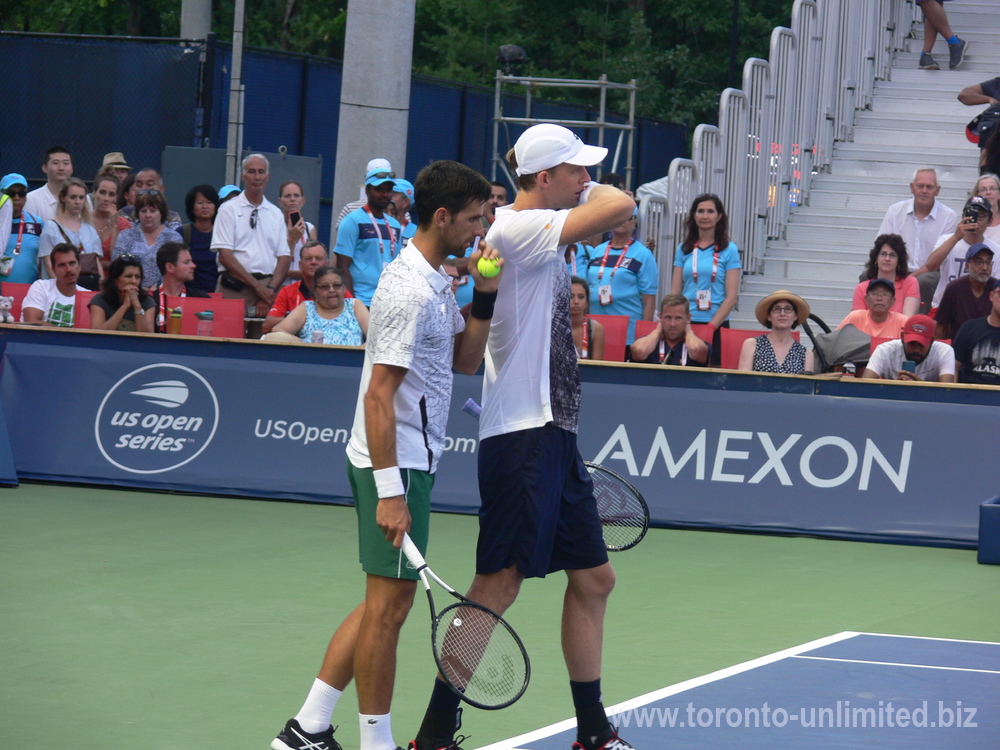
[{"x": 16, "y": 192}]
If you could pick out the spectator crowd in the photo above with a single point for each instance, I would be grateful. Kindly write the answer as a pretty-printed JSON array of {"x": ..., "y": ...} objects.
[{"x": 930, "y": 280}]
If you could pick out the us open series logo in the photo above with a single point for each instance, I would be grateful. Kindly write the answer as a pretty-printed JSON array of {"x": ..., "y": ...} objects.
[{"x": 156, "y": 419}]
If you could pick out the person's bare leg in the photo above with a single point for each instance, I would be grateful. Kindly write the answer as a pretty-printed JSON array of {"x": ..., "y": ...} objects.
[
  {"x": 387, "y": 603},
  {"x": 584, "y": 605},
  {"x": 935, "y": 22},
  {"x": 338, "y": 662},
  {"x": 496, "y": 590}
]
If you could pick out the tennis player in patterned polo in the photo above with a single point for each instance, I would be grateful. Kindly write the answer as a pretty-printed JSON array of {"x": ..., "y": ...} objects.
[
  {"x": 538, "y": 514},
  {"x": 415, "y": 337}
]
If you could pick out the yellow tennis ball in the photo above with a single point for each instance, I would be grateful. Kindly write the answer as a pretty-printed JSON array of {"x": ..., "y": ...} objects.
[{"x": 488, "y": 267}]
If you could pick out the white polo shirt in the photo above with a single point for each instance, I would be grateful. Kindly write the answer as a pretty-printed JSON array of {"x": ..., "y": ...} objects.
[
  {"x": 42, "y": 203},
  {"x": 414, "y": 321},
  {"x": 920, "y": 235},
  {"x": 257, "y": 249}
]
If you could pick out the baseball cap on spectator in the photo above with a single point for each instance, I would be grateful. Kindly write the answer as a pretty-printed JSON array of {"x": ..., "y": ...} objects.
[
  {"x": 978, "y": 200},
  {"x": 226, "y": 190},
  {"x": 979, "y": 247},
  {"x": 546, "y": 146},
  {"x": 405, "y": 187},
  {"x": 919, "y": 328},
  {"x": 9, "y": 180},
  {"x": 378, "y": 176},
  {"x": 876, "y": 283},
  {"x": 115, "y": 159}
]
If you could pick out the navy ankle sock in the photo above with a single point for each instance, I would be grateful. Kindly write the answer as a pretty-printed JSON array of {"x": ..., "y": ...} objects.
[
  {"x": 442, "y": 718},
  {"x": 593, "y": 727}
]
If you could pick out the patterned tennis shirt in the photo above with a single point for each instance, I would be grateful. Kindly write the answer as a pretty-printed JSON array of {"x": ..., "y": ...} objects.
[{"x": 414, "y": 321}]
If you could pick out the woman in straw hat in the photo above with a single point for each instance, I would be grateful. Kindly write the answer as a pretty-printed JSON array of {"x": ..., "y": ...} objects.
[{"x": 776, "y": 350}]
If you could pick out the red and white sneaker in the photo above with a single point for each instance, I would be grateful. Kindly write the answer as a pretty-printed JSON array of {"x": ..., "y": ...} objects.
[
  {"x": 614, "y": 743},
  {"x": 453, "y": 745}
]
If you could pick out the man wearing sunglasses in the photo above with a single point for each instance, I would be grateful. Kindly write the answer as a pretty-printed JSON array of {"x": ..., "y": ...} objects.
[
  {"x": 19, "y": 232},
  {"x": 250, "y": 236}
]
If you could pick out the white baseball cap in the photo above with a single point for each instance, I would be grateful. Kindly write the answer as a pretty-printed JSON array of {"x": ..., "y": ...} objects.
[
  {"x": 545, "y": 146},
  {"x": 378, "y": 165}
]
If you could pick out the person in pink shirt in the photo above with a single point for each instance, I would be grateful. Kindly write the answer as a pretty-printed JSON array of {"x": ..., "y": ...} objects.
[{"x": 889, "y": 260}]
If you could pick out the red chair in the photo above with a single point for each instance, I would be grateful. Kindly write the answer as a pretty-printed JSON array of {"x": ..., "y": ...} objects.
[
  {"x": 643, "y": 327},
  {"x": 732, "y": 343},
  {"x": 615, "y": 335},
  {"x": 227, "y": 315},
  {"x": 81, "y": 309},
  {"x": 876, "y": 340},
  {"x": 702, "y": 331},
  {"x": 17, "y": 291}
]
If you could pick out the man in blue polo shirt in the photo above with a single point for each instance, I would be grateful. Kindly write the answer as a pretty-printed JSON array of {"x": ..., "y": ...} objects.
[{"x": 368, "y": 238}]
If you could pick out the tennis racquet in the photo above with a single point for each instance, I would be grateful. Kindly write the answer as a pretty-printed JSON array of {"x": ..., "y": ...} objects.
[
  {"x": 622, "y": 508},
  {"x": 478, "y": 653}
]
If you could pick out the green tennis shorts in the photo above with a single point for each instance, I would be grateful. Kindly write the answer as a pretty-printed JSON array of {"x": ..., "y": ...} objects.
[{"x": 378, "y": 556}]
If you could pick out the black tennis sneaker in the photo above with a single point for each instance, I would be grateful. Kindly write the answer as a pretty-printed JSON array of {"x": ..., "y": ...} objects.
[
  {"x": 452, "y": 744},
  {"x": 294, "y": 737}
]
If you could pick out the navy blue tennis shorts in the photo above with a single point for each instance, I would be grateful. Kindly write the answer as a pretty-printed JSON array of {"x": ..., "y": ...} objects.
[{"x": 538, "y": 509}]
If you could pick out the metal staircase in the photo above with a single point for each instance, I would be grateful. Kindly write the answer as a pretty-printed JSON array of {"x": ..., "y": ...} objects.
[{"x": 914, "y": 120}]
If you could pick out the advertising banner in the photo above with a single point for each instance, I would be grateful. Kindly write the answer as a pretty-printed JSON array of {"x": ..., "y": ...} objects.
[{"x": 273, "y": 422}]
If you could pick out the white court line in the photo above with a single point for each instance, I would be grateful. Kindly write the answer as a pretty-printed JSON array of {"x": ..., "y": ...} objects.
[
  {"x": 515, "y": 742},
  {"x": 929, "y": 638},
  {"x": 896, "y": 664}
]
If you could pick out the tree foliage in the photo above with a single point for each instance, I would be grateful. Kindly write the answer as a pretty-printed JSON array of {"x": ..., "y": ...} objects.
[{"x": 676, "y": 50}]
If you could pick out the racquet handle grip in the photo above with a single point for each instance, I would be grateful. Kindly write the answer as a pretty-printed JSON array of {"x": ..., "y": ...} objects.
[
  {"x": 471, "y": 407},
  {"x": 412, "y": 553}
]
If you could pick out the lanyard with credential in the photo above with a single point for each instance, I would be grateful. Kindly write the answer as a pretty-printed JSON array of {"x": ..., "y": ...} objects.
[
  {"x": 663, "y": 353},
  {"x": 604, "y": 260},
  {"x": 694, "y": 266},
  {"x": 20, "y": 235},
  {"x": 378, "y": 234}
]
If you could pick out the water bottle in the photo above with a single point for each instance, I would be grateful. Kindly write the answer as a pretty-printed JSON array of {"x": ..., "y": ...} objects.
[
  {"x": 174, "y": 321},
  {"x": 204, "y": 323}
]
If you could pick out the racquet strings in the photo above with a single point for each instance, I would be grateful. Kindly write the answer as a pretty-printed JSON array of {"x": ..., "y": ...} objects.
[
  {"x": 623, "y": 515},
  {"x": 480, "y": 656}
]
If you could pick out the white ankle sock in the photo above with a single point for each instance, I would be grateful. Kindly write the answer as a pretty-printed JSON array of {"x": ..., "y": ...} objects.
[
  {"x": 376, "y": 732},
  {"x": 314, "y": 716}
]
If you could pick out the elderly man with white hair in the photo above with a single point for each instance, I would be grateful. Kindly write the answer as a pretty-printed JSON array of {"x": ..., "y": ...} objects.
[
  {"x": 249, "y": 236},
  {"x": 920, "y": 221}
]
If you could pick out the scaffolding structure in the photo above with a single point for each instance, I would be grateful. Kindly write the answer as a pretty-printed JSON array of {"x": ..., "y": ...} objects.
[{"x": 601, "y": 124}]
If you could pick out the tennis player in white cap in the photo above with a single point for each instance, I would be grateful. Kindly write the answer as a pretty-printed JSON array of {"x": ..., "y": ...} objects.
[{"x": 538, "y": 514}]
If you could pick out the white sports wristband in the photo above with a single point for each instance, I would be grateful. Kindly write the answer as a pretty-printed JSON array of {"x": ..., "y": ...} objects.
[{"x": 389, "y": 482}]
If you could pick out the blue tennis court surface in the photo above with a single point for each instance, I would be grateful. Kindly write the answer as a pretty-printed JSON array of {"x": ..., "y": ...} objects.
[{"x": 850, "y": 690}]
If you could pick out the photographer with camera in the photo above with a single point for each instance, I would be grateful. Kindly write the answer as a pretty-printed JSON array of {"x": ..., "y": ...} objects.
[{"x": 950, "y": 251}]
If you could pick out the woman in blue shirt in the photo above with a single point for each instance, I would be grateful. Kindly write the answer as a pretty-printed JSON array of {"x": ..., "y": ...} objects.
[
  {"x": 707, "y": 267},
  {"x": 623, "y": 277}
]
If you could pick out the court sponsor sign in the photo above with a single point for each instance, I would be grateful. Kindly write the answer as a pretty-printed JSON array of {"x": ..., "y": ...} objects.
[{"x": 241, "y": 419}]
